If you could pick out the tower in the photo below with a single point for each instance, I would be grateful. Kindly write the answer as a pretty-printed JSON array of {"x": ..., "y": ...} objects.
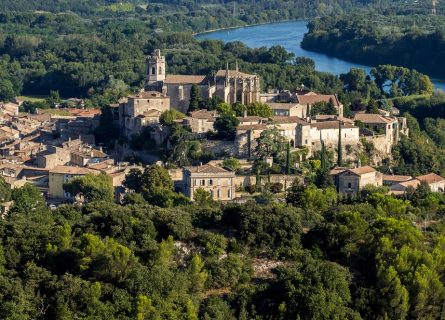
[{"x": 155, "y": 69}]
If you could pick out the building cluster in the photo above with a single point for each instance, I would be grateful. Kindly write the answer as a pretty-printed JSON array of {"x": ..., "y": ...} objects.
[
  {"x": 48, "y": 148},
  {"x": 349, "y": 181},
  {"x": 291, "y": 112}
]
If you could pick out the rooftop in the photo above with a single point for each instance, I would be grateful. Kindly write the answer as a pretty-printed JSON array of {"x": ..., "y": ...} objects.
[
  {"x": 258, "y": 126},
  {"x": 373, "y": 118},
  {"x": 204, "y": 114},
  {"x": 362, "y": 170},
  {"x": 325, "y": 125},
  {"x": 294, "y": 119},
  {"x": 207, "y": 168},
  {"x": 233, "y": 74},
  {"x": 396, "y": 178},
  {"x": 148, "y": 95},
  {"x": 314, "y": 98},
  {"x": 184, "y": 79},
  {"x": 430, "y": 178},
  {"x": 281, "y": 106},
  {"x": 70, "y": 170}
]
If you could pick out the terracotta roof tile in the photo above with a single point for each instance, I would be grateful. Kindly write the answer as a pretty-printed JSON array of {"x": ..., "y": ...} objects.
[
  {"x": 362, "y": 170},
  {"x": 430, "y": 178},
  {"x": 71, "y": 170},
  {"x": 184, "y": 79},
  {"x": 396, "y": 178},
  {"x": 314, "y": 98},
  {"x": 373, "y": 118},
  {"x": 207, "y": 168}
]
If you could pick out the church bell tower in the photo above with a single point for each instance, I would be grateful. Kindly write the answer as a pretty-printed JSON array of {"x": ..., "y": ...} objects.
[{"x": 155, "y": 70}]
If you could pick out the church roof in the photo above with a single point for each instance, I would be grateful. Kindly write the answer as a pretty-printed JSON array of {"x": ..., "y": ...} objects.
[
  {"x": 233, "y": 74},
  {"x": 184, "y": 79}
]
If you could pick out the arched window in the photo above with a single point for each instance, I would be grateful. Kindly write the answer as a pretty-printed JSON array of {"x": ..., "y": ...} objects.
[{"x": 153, "y": 70}]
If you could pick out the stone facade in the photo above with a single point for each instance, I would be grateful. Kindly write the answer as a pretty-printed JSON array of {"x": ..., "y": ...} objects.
[
  {"x": 218, "y": 181},
  {"x": 201, "y": 121},
  {"x": 229, "y": 85},
  {"x": 141, "y": 110},
  {"x": 349, "y": 182}
]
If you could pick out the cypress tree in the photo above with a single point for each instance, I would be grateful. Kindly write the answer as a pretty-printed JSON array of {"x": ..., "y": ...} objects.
[
  {"x": 195, "y": 97},
  {"x": 339, "y": 147},
  {"x": 288, "y": 158}
]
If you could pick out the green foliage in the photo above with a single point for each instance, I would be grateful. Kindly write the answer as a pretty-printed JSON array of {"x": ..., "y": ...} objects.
[
  {"x": 358, "y": 37},
  {"x": 270, "y": 143},
  {"x": 225, "y": 126},
  {"x": 27, "y": 199},
  {"x": 195, "y": 97},
  {"x": 202, "y": 197},
  {"x": 169, "y": 117},
  {"x": 232, "y": 164},
  {"x": 92, "y": 187}
]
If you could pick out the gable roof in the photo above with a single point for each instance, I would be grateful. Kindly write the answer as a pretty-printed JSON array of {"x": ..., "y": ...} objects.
[
  {"x": 184, "y": 79},
  {"x": 362, "y": 170},
  {"x": 314, "y": 98},
  {"x": 71, "y": 170},
  {"x": 293, "y": 119},
  {"x": 232, "y": 74},
  {"x": 396, "y": 178},
  {"x": 207, "y": 168},
  {"x": 430, "y": 178},
  {"x": 257, "y": 126},
  {"x": 373, "y": 118},
  {"x": 326, "y": 125},
  {"x": 281, "y": 106},
  {"x": 204, "y": 114}
]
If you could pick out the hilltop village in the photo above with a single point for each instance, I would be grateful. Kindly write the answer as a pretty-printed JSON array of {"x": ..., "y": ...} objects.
[{"x": 48, "y": 150}]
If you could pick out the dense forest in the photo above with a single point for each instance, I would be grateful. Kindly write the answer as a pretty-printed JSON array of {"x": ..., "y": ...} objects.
[
  {"x": 316, "y": 256},
  {"x": 414, "y": 41}
]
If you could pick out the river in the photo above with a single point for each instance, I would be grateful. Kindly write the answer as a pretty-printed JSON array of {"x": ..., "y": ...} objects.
[{"x": 289, "y": 35}]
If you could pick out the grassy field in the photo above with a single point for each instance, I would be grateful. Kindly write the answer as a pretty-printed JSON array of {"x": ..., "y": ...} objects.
[{"x": 33, "y": 98}]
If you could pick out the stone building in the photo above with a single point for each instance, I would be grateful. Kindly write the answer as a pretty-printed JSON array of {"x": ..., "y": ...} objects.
[
  {"x": 141, "y": 110},
  {"x": 310, "y": 134},
  {"x": 349, "y": 182},
  {"x": 383, "y": 131},
  {"x": 229, "y": 85},
  {"x": 288, "y": 109},
  {"x": 218, "y": 181},
  {"x": 60, "y": 175},
  {"x": 201, "y": 121}
]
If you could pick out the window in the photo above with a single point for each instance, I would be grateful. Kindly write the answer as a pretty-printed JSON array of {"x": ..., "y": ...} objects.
[
  {"x": 153, "y": 70},
  {"x": 219, "y": 193},
  {"x": 229, "y": 194},
  {"x": 211, "y": 182},
  {"x": 349, "y": 185},
  {"x": 203, "y": 182}
]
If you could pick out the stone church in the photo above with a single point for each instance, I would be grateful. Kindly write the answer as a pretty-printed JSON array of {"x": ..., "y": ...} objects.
[{"x": 230, "y": 85}]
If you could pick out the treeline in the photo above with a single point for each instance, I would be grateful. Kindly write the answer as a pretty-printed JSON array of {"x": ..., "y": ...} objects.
[{"x": 414, "y": 41}]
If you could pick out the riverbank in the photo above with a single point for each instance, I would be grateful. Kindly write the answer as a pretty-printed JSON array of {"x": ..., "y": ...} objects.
[
  {"x": 290, "y": 34},
  {"x": 245, "y": 26}
]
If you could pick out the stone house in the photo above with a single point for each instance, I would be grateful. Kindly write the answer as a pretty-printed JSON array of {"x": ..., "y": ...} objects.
[
  {"x": 53, "y": 157},
  {"x": 382, "y": 131},
  {"x": 309, "y": 134},
  {"x": 434, "y": 181},
  {"x": 246, "y": 138},
  {"x": 349, "y": 182},
  {"x": 391, "y": 180},
  {"x": 201, "y": 121},
  {"x": 218, "y": 181},
  {"x": 60, "y": 175},
  {"x": 87, "y": 154},
  {"x": 141, "y": 110},
  {"x": 288, "y": 109}
]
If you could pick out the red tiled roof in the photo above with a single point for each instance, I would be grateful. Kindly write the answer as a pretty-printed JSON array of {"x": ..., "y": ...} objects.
[
  {"x": 184, "y": 79},
  {"x": 430, "y": 178},
  {"x": 310, "y": 99}
]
